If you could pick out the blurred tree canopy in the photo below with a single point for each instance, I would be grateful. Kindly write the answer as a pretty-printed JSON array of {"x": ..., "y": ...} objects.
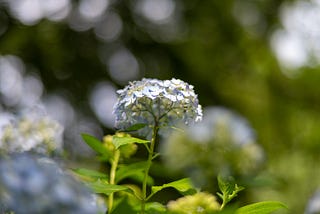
[{"x": 221, "y": 47}]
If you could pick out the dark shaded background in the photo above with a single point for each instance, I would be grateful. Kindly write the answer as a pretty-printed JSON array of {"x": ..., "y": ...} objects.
[{"x": 71, "y": 56}]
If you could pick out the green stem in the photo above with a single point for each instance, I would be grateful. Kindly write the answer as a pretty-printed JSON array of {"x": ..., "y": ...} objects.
[
  {"x": 149, "y": 162},
  {"x": 114, "y": 165},
  {"x": 223, "y": 205}
]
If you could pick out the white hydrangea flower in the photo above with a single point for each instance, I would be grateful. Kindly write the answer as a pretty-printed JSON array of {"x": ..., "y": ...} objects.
[
  {"x": 32, "y": 131},
  {"x": 150, "y": 100}
]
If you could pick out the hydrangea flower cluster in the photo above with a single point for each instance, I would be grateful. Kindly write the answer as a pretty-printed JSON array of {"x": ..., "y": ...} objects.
[
  {"x": 32, "y": 131},
  {"x": 198, "y": 203},
  {"x": 224, "y": 143},
  {"x": 30, "y": 184},
  {"x": 150, "y": 100}
]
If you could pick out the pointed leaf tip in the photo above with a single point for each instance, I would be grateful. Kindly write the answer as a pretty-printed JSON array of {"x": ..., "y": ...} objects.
[
  {"x": 95, "y": 144},
  {"x": 265, "y": 207},
  {"x": 120, "y": 141}
]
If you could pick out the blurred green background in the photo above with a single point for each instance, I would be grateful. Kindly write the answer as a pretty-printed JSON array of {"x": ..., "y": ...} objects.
[{"x": 259, "y": 58}]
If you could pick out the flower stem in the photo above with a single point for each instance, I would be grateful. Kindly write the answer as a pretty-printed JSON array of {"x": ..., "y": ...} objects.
[
  {"x": 149, "y": 162},
  {"x": 114, "y": 165}
]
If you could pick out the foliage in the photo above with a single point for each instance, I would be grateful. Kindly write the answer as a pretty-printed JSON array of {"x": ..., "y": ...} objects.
[
  {"x": 261, "y": 207},
  {"x": 221, "y": 47},
  {"x": 192, "y": 200},
  {"x": 137, "y": 200},
  {"x": 228, "y": 189}
]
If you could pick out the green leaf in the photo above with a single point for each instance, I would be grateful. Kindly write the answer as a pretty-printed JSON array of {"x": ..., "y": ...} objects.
[
  {"x": 139, "y": 177},
  {"x": 228, "y": 186},
  {"x": 229, "y": 189},
  {"x": 107, "y": 189},
  {"x": 135, "y": 127},
  {"x": 89, "y": 174},
  {"x": 155, "y": 207},
  {"x": 126, "y": 171},
  {"x": 184, "y": 186},
  {"x": 264, "y": 207},
  {"x": 96, "y": 145},
  {"x": 123, "y": 206},
  {"x": 120, "y": 141},
  {"x": 151, "y": 208}
]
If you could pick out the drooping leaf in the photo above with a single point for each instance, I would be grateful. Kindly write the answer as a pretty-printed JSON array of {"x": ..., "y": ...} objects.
[
  {"x": 96, "y": 145},
  {"x": 139, "y": 176},
  {"x": 123, "y": 206},
  {"x": 135, "y": 127},
  {"x": 184, "y": 186},
  {"x": 265, "y": 207},
  {"x": 126, "y": 171},
  {"x": 135, "y": 189},
  {"x": 90, "y": 175},
  {"x": 107, "y": 189},
  {"x": 155, "y": 208},
  {"x": 120, "y": 141},
  {"x": 151, "y": 208}
]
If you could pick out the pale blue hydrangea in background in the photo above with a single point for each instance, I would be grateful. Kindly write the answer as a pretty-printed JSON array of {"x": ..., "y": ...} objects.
[
  {"x": 219, "y": 121},
  {"x": 33, "y": 184},
  {"x": 32, "y": 130},
  {"x": 313, "y": 206},
  {"x": 222, "y": 143},
  {"x": 168, "y": 102}
]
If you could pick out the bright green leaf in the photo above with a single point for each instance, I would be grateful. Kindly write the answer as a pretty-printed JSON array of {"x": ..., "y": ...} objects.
[
  {"x": 126, "y": 171},
  {"x": 228, "y": 186},
  {"x": 120, "y": 141},
  {"x": 136, "y": 190},
  {"x": 151, "y": 208},
  {"x": 184, "y": 186},
  {"x": 229, "y": 189},
  {"x": 89, "y": 174},
  {"x": 135, "y": 127},
  {"x": 107, "y": 189},
  {"x": 264, "y": 207},
  {"x": 96, "y": 145},
  {"x": 123, "y": 206},
  {"x": 155, "y": 207},
  {"x": 139, "y": 176}
]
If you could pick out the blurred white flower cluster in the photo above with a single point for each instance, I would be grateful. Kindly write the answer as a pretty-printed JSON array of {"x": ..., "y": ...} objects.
[
  {"x": 313, "y": 206},
  {"x": 34, "y": 184},
  {"x": 32, "y": 131},
  {"x": 222, "y": 143},
  {"x": 149, "y": 101}
]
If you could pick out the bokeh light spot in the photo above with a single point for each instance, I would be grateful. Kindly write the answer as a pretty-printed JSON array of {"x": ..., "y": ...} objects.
[
  {"x": 123, "y": 66},
  {"x": 92, "y": 9},
  {"x": 32, "y": 90},
  {"x": 102, "y": 99},
  {"x": 109, "y": 27},
  {"x": 157, "y": 11},
  {"x": 60, "y": 109},
  {"x": 11, "y": 70},
  {"x": 297, "y": 43}
]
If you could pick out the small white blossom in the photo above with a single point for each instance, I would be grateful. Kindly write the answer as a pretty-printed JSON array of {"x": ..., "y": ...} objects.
[{"x": 150, "y": 100}]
